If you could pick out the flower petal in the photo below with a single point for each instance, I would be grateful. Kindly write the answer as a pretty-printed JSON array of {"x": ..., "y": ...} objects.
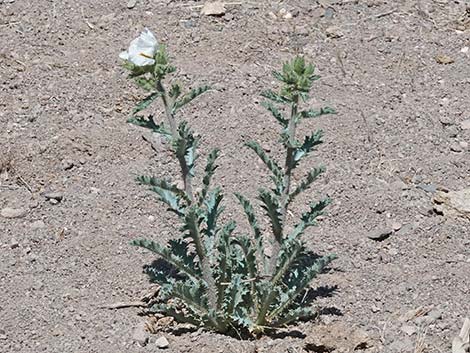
[
  {"x": 140, "y": 60},
  {"x": 124, "y": 55}
]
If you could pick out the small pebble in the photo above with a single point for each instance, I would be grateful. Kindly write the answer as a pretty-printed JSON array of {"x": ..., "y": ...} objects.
[
  {"x": 162, "y": 342},
  {"x": 455, "y": 147},
  {"x": 9, "y": 212},
  {"x": 54, "y": 196},
  {"x": 408, "y": 329},
  {"x": 38, "y": 224},
  {"x": 67, "y": 164},
  {"x": 14, "y": 244},
  {"x": 465, "y": 125},
  {"x": 131, "y": 4},
  {"x": 380, "y": 234}
]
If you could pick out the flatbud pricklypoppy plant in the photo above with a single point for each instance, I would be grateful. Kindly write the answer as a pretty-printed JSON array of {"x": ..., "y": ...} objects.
[{"x": 213, "y": 277}]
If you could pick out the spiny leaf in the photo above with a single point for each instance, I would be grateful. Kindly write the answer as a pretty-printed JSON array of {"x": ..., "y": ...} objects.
[
  {"x": 276, "y": 113},
  {"x": 213, "y": 211},
  {"x": 185, "y": 147},
  {"x": 270, "y": 163},
  {"x": 309, "y": 143},
  {"x": 163, "y": 184},
  {"x": 171, "y": 199},
  {"x": 175, "y": 90},
  {"x": 308, "y": 218},
  {"x": 147, "y": 84},
  {"x": 272, "y": 207},
  {"x": 307, "y": 276},
  {"x": 194, "y": 93},
  {"x": 168, "y": 256},
  {"x": 312, "y": 113},
  {"x": 149, "y": 123},
  {"x": 304, "y": 184},
  {"x": 146, "y": 102},
  {"x": 208, "y": 173},
  {"x": 300, "y": 313},
  {"x": 277, "y": 98}
]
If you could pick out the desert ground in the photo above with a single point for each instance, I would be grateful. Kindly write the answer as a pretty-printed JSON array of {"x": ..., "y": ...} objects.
[{"x": 397, "y": 154}]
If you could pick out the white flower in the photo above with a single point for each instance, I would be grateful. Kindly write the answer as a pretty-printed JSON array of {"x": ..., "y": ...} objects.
[{"x": 142, "y": 50}]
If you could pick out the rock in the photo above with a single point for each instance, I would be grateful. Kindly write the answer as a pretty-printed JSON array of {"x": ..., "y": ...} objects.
[
  {"x": 67, "y": 164},
  {"x": 336, "y": 337},
  {"x": 283, "y": 13},
  {"x": 9, "y": 212},
  {"x": 216, "y": 8},
  {"x": 380, "y": 234},
  {"x": 162, "y": 342},
  {"x": 140, "y": 336},
  {"x": 38, "y": 224},
  {"x": 14, "y": 244},
  {"x": 431, "y": 188},
  {"x": 408, "y": 329},
  {"x": 58, "y": 196},
  {"x": 453, "y": 203},
  {"x": 374, "y": 309},
  {"x": 334, "y": 32},
  {"x": 464, "y": 50},
  {"x": 131, "y": 4},
  {"x": 444, "y": 59},
  {"x": 465, "y": 125},
  {"x": 407, "y": 228},
  {"x": 445, "y": 120},
  {"x": 396, "y": 226},
  {"x": 464, "y": 145},
  {"x": 455, "y": 147}
]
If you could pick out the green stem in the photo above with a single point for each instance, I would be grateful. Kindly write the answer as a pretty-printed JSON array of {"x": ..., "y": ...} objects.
[
  {"x": 168, "y": 103},
  {"x": 289, "y": 165}
]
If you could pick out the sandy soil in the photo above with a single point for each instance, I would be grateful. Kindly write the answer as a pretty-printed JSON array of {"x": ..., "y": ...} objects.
[{"x": 397, "y": 72}]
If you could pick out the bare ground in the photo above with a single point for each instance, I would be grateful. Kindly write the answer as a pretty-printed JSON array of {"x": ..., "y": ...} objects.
[{"x": 394, "y": 70}]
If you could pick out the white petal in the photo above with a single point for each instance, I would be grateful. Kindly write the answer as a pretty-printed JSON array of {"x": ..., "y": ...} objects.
[
  {"x": 124, "y": 55},
  {"x": 140, "y": 60},
  {"x": 149, "y": 37}
]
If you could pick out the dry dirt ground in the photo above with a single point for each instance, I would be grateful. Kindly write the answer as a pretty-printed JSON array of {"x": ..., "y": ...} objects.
[{"x": 397, "y": 72}]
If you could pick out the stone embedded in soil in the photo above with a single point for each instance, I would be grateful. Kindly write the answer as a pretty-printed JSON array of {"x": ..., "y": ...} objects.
[
  {"x": 216, "y": 8},
  {"x": 14, "y": 244},
  {"x": 380, "y": 234},
  {"x": 162, "y": 342},
  {"x": 67, "y": 164},
  {"x": 465, "y": 125},
  {"x": 140, "y": 336},
  {"x": 334, "y": 32},
  {"x": 408, "y": 329},
  {"x": 38, "y": 224},
  {"x": 455, "y": 147},
  {"x": 9, "y": 212},
  {"x": 58, "y": 196},
  {"x": 131, "y": 4}
]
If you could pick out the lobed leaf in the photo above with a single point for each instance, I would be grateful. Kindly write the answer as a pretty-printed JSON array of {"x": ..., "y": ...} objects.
[
  {"x": 146, "y": 102},
  {"x": 304, "y": 184},
  {"x": 312, "y": 113},
  {"x": 307, "y": 146},
  {"x": 168, "y": 256},
  {"x": 276, "y": 113},
  {"x": 275, "y": 169},
  {"x": 149, "y": 123},
  {"x": 271, "y": 205},
  {"x": 193, "y": 93},
  {"x": 208, "y": 173}
]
